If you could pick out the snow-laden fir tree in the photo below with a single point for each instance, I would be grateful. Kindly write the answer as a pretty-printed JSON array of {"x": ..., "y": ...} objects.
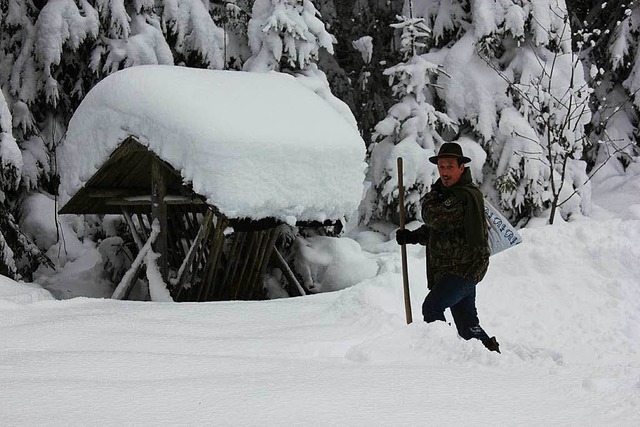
[
  {"x": 412, "y": 129},
  {"x": 10, "y": 169},
  {"x": 287, "y": 36},
  {"x": 232, "y": 16},
  {"x": 194, "y": 37},
  {"x": 516, "y": 87},
  {"x": 609, "y": 37}
]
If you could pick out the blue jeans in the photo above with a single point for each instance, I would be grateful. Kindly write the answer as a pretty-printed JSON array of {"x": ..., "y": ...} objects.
[{"x": 458, "y": 294}]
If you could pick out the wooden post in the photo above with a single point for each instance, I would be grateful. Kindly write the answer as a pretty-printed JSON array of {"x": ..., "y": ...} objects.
[
  {"x": 129, "y": 279},
  {"x": 189, "y": 267},
  {"x": 232, "y": 266},
  {"x": 288, "y": 273},
  {"x": 143, "y": 227},
  {"x": 132, "y": 227},
  {"x": 250, "y": 254},
  {"x": 159, "y": 213},
  {"x": 403, "y": 247},
  {"x": 256, "y": 263},
  {"x": 209, "y": 275},
  {"x": 265, "y": 257}
]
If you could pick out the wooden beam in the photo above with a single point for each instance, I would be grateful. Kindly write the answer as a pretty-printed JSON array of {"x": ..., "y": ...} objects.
[
  {"x": 132, "y": 227},
  {"x": 214, "y": 256},
  {"x": 159, "y": 213},
  {"x": 146, "y": 200},
  {"x": 232, "y": 265},
  {"x": 109, "y": 193},
  {"x": 248, "y": 255},
  {"x": 288, "y": 273},
  {"x": 265, "y": 258},
  {"x": 253, "y": 263},
  {"x": 143, "y": 227},
  {"x": 257, "y": 266},
  {"x": 184, "y": 271},
  {"x": 128, "y": 280}
]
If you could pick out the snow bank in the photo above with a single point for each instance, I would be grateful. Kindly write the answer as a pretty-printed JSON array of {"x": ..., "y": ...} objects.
[
  {"x": 254, "y": 144},
  {"x": 22, "y": 293},
  {"x": 564, "y": 305},
  {"x": 329, "y": 263}
]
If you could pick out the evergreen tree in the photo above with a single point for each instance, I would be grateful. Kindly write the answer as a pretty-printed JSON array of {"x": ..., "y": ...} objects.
[
  {"x": 194, "y": 37},
  {"x": 232, "y": 16},
  {"x": 285, "y": 34},
  {"x": 411, "y": 130},
  {"x": 355, "y": 78},
  {"x": 516, "y": 87},
  {"x": 10, "y": 169},
  {"x": 608, "y": 35}
]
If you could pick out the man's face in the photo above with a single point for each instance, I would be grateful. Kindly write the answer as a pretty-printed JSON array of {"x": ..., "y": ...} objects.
[{"x": 450, "y": 171}]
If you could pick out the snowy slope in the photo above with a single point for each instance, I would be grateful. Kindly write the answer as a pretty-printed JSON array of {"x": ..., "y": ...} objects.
[
  {"x": 565, "y": 306},
  {"x": 22, "y": 293}
]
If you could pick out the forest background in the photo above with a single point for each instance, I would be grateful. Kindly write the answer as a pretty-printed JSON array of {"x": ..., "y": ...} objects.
[{"x": 542, "y": 94}]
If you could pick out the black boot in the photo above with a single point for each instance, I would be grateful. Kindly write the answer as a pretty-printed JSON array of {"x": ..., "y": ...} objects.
[{"x": 492, "y": 344}]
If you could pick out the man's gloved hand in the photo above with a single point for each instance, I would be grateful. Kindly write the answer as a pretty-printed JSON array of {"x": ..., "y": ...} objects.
[{"x": 404, "y": 237}]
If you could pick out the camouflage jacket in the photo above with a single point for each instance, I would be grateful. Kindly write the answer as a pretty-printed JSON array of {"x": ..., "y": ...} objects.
[{"x": 444, "y": 235}]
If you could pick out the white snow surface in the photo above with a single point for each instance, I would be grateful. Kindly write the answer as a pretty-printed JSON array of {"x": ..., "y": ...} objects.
[
  {"x": 21, "y": 293},
  {"x": 564, "y": 305},
  {"x": 255, "y": 144}
]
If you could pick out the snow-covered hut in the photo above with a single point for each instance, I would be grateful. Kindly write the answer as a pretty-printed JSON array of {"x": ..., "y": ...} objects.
[{"x": 204, "y": 165}]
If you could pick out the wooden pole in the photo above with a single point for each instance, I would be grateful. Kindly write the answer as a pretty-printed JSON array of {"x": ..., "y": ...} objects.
[
  {"x": 128, "y": 280},
  {"x": 159, "y": 213},
  {"x": 132, "y": 227},
  {"x": 184, "y": 273},
  {"x": 265, "y": 260},
  {"x": 288, "y": 273},
  {"x": 252, "y": 247},
  {"x": 403, "y": 247},
  {"x": 217, "y": 244}
]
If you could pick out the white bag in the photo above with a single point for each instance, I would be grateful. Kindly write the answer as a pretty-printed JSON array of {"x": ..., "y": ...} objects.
[{"x": 502, "y": 235}]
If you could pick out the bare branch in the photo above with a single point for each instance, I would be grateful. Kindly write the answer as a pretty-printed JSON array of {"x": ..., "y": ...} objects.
[{"x": 592, "y": 174}]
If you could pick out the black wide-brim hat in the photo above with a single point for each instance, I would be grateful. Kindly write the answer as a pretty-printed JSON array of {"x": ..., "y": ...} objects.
[{"x": 450, "y": 150}]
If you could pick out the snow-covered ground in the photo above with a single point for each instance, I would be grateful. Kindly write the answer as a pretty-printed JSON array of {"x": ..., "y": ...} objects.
[{"x": 565, "y": 306}]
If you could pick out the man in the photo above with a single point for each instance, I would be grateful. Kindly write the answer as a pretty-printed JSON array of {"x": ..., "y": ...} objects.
[{"x": 455, "y": 234}]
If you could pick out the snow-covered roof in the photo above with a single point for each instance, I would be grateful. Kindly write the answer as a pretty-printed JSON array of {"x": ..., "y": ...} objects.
[{"x": 255, "y": 145}]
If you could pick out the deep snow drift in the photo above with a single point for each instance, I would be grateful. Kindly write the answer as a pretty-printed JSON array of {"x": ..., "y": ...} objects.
[{"x": 565, "y": 306}]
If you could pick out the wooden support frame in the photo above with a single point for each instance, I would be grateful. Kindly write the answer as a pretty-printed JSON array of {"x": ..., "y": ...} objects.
[
  {"x": 288, "y": 273},
  {"x": 190, "y": 240},
  {"x": 263, "y": 259},
  {"x": 214, "y": 257},
  {"x": 231, "y": 271},
  {"x": 188, "y": 266},
  {"x": 134, "y": 233},
  {"x": 159, "y": 213},
  {"x": 246, "y": 281},
  {"x": 123, "y": 289}
]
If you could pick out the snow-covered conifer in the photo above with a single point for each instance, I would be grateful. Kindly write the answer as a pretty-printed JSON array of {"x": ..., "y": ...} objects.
[
  {"x": 609, "y": 38},
  {"x": 197, "y": 38},
  {"x": 10, "y": 169},
  {"x": 285, "y": 34},
  {"x": 514, "y": 85},
  {"x": 411, "y": 129},
  {"x": 232, "y": 16}
]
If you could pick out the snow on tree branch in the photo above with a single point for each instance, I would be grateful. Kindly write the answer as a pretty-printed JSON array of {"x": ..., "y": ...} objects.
[{"x": 285, "y": 30}]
